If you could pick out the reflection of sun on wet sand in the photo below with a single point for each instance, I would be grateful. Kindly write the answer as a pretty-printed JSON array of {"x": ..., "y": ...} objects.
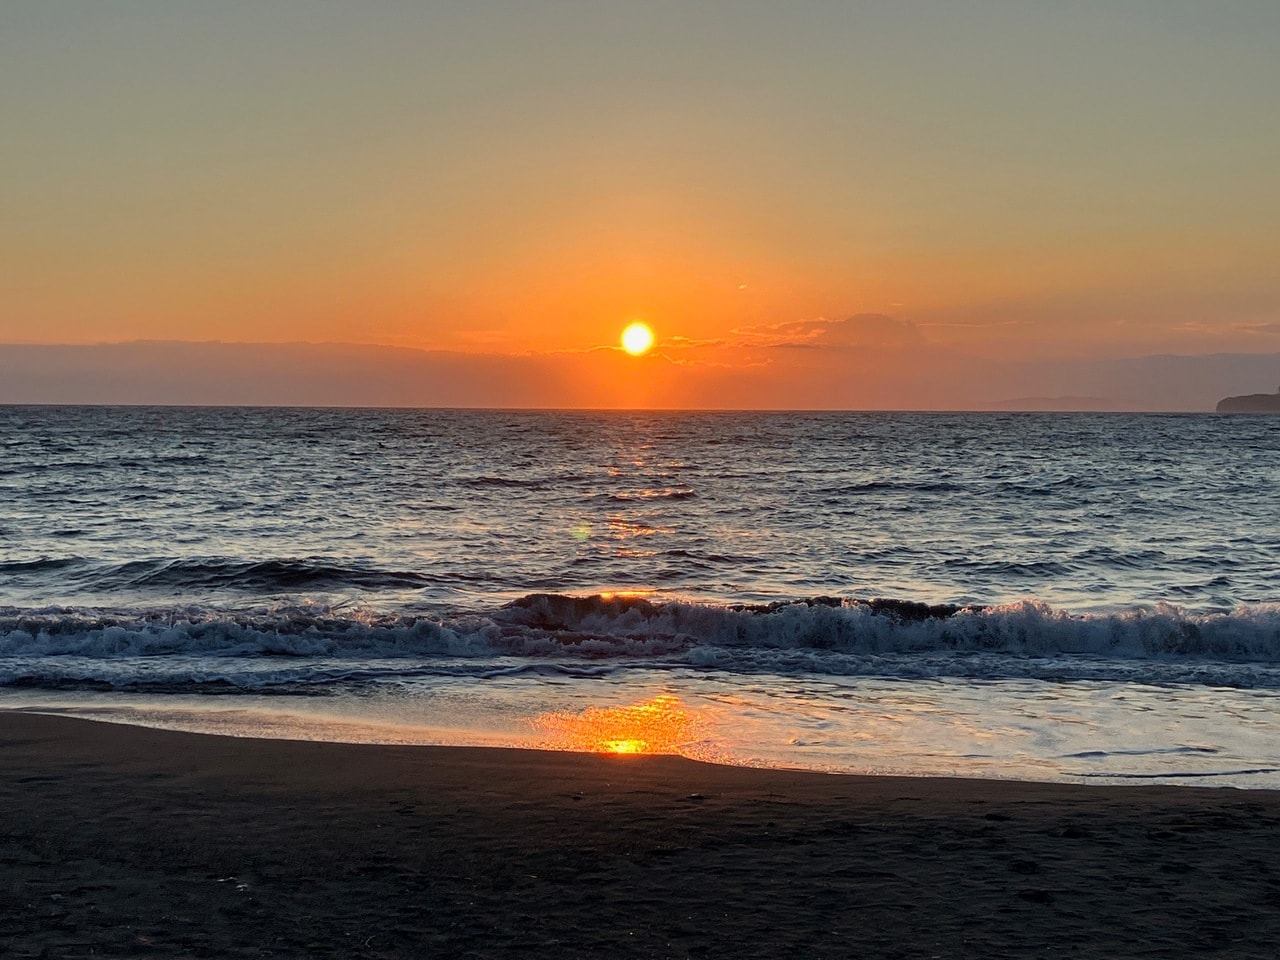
[{"x": 660, "y": 725}]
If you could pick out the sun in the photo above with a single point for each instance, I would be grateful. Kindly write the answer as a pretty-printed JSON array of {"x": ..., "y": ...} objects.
[{"x": 637, "y": 338}]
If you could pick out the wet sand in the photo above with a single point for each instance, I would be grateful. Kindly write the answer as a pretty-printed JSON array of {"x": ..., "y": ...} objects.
[{"x": 119, "y": 841}]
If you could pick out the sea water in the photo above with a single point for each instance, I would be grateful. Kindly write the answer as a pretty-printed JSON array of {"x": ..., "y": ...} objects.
[{"x": 1048, "y": 596}]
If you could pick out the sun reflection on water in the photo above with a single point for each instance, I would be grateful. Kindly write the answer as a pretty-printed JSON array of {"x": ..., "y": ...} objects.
[{"x": 662, "y": 724}]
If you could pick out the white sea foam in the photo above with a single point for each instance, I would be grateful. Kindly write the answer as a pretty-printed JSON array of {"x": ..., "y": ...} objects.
[{"x": 1161, "y": 644}]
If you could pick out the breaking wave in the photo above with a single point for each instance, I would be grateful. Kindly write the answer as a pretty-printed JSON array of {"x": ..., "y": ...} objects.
[{"x": 821, "y": 635}]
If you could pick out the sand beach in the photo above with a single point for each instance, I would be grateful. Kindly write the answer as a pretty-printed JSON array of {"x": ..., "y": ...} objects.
[{"x": 125, "y": 841}]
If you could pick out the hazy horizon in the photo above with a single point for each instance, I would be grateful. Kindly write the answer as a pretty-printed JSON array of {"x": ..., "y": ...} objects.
[{"x": 214, "y": 373}]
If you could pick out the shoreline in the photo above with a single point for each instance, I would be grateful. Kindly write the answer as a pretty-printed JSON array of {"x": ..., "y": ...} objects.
[
  {"x": 136, "y": 841},
  {"x": 986, "y": 746}
]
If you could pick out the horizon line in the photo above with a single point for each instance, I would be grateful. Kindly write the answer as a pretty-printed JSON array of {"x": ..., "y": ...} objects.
[{"x": 992, "y": 410}]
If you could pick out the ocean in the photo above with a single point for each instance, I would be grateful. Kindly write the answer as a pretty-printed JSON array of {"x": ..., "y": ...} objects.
[{"x": 1063, "y": 597}]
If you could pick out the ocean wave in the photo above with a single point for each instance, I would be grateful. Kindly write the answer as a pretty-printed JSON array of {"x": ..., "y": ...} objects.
[
  {"x": 39, "y": 565},
  {"x": 898, "y": 486},
  {"x": 214, "y": 573},
  {"x": 663, "y": 493},
  {"x": 87, "y": 682},
  {"x": 1044, "y": 569},
  {"x": 295, "y": 631},
  {"x": 513, "y": 482},
  {"x": 1026, "y": 628},
  {"x": 536, "y": 483},
  {"x": 560, "y": 625}
]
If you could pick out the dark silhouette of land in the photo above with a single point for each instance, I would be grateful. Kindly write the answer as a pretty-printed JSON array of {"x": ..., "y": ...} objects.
[{"x": 1251, "y": 403}]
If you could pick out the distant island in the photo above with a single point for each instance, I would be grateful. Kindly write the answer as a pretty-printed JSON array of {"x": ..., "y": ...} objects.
[{"x": 1251, "y": 403}]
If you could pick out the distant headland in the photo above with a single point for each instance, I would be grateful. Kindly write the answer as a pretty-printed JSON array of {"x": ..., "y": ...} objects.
[{"x": 1251, "y": 403}]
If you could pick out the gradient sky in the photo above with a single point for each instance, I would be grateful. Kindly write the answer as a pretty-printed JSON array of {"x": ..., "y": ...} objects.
[{"x": 1017, "y": 181}]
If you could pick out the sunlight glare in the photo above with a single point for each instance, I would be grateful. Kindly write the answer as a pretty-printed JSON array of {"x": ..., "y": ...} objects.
[
  {"x": 660, "y": 725},
  {"x": 637, "y": 338}
]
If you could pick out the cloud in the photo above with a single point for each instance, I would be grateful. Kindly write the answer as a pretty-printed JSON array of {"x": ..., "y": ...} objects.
[
  {"x": 859, "y": 331},
  {"x": 692, "y": 352},
  {"x": 983, "y": 324},
  {"x": 688, "y": 343},
  {"x": 1264, "y": 328}
]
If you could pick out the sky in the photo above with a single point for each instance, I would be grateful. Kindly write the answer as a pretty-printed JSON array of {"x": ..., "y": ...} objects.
[{"x": 794, "y": 196}]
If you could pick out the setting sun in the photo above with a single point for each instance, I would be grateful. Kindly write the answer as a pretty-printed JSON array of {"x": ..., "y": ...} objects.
[{"x": 637, "y": 338}]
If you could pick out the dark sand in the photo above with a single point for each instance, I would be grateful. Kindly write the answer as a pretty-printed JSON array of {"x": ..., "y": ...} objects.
[{"x": 116, "y": 841}]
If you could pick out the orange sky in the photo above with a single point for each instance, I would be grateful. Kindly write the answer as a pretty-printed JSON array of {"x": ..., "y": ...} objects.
[{"x": 1004, "y": 181}]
